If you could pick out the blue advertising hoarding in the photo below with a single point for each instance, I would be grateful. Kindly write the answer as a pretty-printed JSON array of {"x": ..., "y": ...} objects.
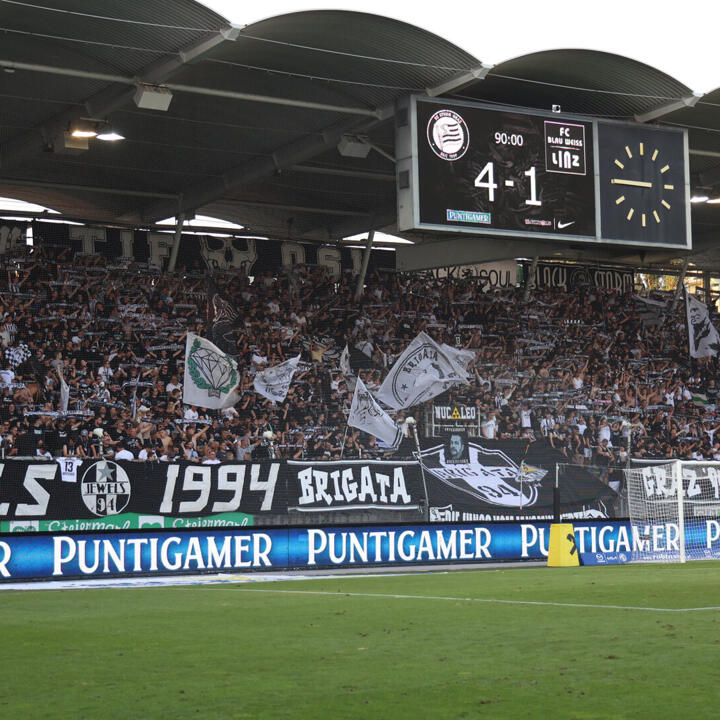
[{"x": 24, "y": 557}]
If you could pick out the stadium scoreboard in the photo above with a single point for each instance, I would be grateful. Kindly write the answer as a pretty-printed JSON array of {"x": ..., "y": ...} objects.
[{"x": 472, "y": 168}]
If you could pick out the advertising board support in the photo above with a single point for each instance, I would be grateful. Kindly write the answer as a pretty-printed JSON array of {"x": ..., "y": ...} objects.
[{"x": 410, "y": 422}]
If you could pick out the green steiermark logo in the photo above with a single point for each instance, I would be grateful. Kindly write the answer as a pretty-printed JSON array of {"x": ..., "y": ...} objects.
[
  {"x": 127, "y": 521},
  {"x": 210, "y": 370}
]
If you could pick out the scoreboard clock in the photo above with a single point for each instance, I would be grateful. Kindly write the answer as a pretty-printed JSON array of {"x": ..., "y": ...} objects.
[
  {"x": 643, "y": 184},
  {"x": 469, "y": 168}
]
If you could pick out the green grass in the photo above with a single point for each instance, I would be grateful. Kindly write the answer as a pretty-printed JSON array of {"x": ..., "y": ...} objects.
[{"x": 236, "y": 651}]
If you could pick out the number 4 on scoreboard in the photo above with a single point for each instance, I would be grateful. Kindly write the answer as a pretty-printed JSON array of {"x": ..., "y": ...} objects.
[{"x": 489, "y": 172}]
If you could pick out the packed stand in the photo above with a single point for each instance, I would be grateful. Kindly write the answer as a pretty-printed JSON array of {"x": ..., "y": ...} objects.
[{"x": 577, "y": 368}]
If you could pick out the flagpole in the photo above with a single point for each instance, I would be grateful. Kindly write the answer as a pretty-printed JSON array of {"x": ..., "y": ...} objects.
[
  {"x": 412, "y": 424},
  {"x": 134, "y": 397},
  {"x": 342, "y": 449}
]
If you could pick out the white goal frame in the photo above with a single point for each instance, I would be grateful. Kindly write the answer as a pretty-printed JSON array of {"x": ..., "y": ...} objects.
[{"x": 674, "y": 510}]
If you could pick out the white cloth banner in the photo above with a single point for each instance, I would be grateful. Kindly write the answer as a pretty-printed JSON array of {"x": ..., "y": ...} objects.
[
  {"x": 64, "y": 394},
  {"x": 211, "y": 375},
  {"x": 651, "y": 312},
  {"x": 703, "y": 338},
  {"x": 424, "y": 370},
  {"x": 463, "y": 358},
  {"x": 366, "y": 414},
  {"x": 274, "y": 382},
  {"x": 345, "y": 368}
]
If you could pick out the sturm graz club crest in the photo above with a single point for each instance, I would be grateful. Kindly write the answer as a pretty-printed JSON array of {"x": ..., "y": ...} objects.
[
  {"x": 211, "y": 371},
  {"x": 489, "y": 475},
  {"x": 448, "y": 135},
  {"x": 105, "y": 488}
]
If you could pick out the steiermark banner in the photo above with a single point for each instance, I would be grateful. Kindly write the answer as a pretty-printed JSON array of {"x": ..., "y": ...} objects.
[{"x": 126, "y": 521}]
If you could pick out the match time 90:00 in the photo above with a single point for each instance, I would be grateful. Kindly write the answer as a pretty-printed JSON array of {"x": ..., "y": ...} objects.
[{"x": 503, "y": 138}]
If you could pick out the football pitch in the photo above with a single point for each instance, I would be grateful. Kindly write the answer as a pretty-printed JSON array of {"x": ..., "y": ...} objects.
[{"x": 636, "y": 641}]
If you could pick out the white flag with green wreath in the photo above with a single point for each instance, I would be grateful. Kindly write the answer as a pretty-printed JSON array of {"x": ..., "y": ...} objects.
[{"x": 211, "y": 376}]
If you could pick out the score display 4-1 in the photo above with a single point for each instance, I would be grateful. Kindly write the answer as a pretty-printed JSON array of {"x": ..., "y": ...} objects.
[{"x": 481, "y": 170}]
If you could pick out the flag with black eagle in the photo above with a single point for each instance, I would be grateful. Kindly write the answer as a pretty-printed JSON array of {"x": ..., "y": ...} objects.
[{"x": 223, "y": 319}]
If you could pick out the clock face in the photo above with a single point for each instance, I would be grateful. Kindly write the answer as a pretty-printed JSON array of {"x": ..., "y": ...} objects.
[{"x": 642, "y": 184}]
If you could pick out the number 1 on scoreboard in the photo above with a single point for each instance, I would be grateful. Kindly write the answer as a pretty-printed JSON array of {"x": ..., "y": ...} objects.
[{"x": 488, "y": 172}]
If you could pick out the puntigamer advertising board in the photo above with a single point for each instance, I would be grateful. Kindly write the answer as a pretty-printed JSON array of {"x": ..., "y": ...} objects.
[
  {"x": 71, "y": 555},
  {"x": 472, "y": 168}
]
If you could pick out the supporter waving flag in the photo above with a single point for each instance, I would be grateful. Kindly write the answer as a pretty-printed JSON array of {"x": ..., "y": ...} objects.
[
  {"x": 367, "y": 415},
  {"x": 424, "y": 370},
  {"x": 703, "y": 337},
  {"x": 211, "y": 375},
  {"x": 274, "y": 382}
]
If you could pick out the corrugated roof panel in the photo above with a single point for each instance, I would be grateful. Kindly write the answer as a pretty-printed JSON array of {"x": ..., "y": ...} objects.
[
  {"x": 581, "y": 81},
  {"x": 126, "y": 36},
  {"x": 366, "y": 57}
]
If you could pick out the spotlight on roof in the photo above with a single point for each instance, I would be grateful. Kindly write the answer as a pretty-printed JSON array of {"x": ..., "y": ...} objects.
[
  {"x": 108, "y": 133},
  {"x": 152, "y": 97},
  {"x": 83, "y": 129}
]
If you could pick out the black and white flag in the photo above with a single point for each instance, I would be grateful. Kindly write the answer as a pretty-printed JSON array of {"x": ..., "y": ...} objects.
[
  {"x": 651, "y": 312},
  {"x": 223, "y": 321},
  {"x": 703, "y": 337},
  {"x": 367, "y": 415},
  {"x": 274, "y": 382},
  {"x": 424, "y": 370}
]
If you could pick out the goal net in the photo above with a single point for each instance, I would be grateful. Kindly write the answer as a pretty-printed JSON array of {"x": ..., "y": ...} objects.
[{"x": 674, "y": 511}]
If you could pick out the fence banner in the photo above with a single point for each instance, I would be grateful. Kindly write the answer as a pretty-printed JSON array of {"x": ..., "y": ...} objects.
[
  {"x": 127, "y": 554},
  {"x": 499, "y": 481},
  {"x": 558, "y": 275},
  {"x": 481, "y": 480}
]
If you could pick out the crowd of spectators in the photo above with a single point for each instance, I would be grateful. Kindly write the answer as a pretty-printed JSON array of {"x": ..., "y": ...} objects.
[{"x": 577, "y": 367}]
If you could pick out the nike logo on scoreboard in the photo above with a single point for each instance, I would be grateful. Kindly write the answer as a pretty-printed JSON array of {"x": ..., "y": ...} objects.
[{"x": 563, "y": 225}]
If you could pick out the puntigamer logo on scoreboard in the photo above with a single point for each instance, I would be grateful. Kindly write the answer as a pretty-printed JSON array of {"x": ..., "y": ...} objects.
[
  {"x": 448, "y": 135},
  {"x": 468, "y": 216}
]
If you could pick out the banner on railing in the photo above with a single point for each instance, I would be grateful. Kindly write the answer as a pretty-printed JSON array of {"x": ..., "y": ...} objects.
[
  {"x": 559, "y": 275},
  {"x": 502, "y": 481}
]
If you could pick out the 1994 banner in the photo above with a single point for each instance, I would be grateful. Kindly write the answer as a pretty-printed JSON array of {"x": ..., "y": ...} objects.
[{"x": 502, "y": 481}]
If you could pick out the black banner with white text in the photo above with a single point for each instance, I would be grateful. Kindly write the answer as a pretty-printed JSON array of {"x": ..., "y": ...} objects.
[{"x": 505, "y": 481}]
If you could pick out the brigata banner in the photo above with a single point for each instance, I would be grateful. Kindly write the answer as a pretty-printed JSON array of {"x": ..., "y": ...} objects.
[
  {"x": 503, "y": 481},
  {"x": 104, "y": 495},
  {"x": 125, "y": 554}
]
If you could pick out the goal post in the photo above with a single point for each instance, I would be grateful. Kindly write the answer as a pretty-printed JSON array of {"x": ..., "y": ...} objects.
[{"x": 674, "y": 510}]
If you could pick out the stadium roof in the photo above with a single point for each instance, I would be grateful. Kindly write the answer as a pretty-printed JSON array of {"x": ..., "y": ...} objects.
[{"x": 256, "y": 114}]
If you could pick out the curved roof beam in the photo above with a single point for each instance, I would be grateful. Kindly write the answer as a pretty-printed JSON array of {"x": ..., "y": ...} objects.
[
  {"x": 669, "y": 107},
  {"x": 261, "y": 168},
  {"x": 460, "y": 81}
]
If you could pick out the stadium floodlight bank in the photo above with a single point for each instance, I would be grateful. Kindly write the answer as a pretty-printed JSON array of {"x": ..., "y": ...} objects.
[{"x": 674, "y": 510}]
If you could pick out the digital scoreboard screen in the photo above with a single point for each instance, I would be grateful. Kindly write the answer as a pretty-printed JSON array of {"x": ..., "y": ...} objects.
[{"x": 475, "y": 169}]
